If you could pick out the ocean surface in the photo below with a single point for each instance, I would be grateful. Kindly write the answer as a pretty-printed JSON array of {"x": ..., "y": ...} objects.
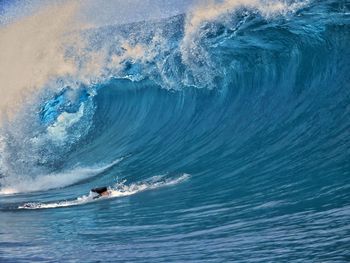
[{"x": 222, "y": 131}]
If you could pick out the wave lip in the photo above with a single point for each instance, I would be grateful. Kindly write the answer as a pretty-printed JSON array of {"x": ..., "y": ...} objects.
[
  {"x": 54, "y": 180},
  {"x": 118, "y": 190}
]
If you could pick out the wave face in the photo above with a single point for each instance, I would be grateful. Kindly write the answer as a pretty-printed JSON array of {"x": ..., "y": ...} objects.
[{"x": 243, "y": 107}]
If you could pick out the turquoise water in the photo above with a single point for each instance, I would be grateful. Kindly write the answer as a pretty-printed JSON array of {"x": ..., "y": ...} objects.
[{"x": 228, "y": 143}]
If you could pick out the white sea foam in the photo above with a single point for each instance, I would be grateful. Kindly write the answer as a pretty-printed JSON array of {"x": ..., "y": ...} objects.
[
  {"x": 58, "y": 130},
  {"x": 118, "y": 190},
  {"x": 13, "y": 185}
]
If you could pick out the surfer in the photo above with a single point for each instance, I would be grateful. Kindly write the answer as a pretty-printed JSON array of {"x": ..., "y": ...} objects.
[{"x": 100, "y": 191}]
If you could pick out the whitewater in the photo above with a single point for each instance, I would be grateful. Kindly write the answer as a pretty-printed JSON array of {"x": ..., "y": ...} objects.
[{"x": 220, "y": 128}]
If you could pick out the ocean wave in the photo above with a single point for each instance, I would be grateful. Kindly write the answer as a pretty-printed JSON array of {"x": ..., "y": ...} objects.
[
  {"x": 250, "y": 98},
  {"x": 255, "y": 54}
]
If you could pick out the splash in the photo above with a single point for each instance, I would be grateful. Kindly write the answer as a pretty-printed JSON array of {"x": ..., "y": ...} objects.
[{"x": 120, "y": 189}]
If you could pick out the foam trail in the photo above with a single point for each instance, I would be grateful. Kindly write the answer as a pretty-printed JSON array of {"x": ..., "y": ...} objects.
[
  {"x": 121, "y": 189},
  {"x": 118, "y": 190},
  {"x": 54, "y": 180}
]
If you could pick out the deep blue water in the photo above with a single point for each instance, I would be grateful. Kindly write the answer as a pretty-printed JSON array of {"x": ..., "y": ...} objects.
[{"x": 233, "y": 146}]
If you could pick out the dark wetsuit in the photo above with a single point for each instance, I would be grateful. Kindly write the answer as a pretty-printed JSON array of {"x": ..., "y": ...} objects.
[{"x": 99, "y": 191}]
